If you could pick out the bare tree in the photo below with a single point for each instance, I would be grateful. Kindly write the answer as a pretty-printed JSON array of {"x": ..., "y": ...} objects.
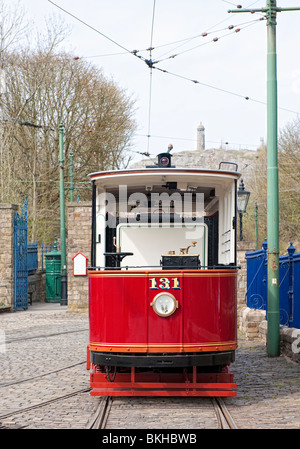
[
  {"x": 45, "y": 88},
  {"x": 289, "y": 186},
  {"x": 12, "y": 31},
  {"x": 13, "y": 27}
]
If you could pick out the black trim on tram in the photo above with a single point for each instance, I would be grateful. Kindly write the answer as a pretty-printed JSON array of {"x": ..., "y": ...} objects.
[
  {"x": 93, "y": 243},
  {"x": 235, "y": 224},
  {"x": 163, "y": 360}
]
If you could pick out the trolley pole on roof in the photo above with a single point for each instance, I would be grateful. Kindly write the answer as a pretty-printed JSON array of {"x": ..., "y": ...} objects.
[
  {"x": 273, "y": 335},
  {"x": 63, "y": 301}
]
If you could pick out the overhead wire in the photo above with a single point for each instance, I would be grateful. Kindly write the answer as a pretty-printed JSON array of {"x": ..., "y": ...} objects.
[
  {"x": 149, "y": 61},
  {"x": 206, "y": 84},
  {"x": 239, "y": 6},
  {"x": 236, "y": 29},
  {"x": 206, "y": 33},
  {"x": 227, "y": 18},
  {"x": 151, "y": 67},
  {"x": 146, "y": 153},
  {"x": 230, "y": 3},
  {"x": 245, "y": 97},
  {"x": 180, "y": 41},
  {"x": 126, "y": 50},
  {"x": 151, "y": 64},
  {"x": 246, "y": 145},
  {"x": 95, "y": 29},
  {"x": 251, "y": 4},
  {"x": 188, "y": 39}
]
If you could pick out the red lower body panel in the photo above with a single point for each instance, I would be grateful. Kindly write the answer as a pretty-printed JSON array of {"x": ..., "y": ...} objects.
[
  {"x": 152, "y": 383},
  {"x": 135, "y": 382}
]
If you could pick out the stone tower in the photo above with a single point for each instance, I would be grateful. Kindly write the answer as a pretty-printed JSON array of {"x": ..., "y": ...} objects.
[{"x": 200, "y": 137}]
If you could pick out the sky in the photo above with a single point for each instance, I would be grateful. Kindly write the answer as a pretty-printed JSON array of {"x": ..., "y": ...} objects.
[{"x": 228, "y": 69}]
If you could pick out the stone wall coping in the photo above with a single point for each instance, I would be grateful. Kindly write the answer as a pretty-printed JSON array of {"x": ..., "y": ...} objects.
[
  {"x": 254, "y": 325},
  {"x": 245, "y": 246},
  {"x": 252, "y": 314},
  {"x": 79, "y": 204},
  {"x": 8, "y": 206}
]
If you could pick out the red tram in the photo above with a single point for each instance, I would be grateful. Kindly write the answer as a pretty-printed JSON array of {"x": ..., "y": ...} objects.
[{"x": 162, "y": 286}]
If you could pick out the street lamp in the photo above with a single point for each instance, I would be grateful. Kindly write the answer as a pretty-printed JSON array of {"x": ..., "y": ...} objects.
[
  {"x": 64, "y": 277},
  {"x": 242, "y": 201}
]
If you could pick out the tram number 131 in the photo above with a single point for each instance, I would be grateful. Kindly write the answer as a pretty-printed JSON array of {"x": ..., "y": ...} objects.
[{"x": 164, "y": 284}]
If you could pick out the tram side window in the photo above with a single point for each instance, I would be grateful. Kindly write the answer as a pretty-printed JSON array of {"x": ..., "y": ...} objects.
[
  {"x": 212, "y": 223},
  {"x": 110, "y": 233},
  {"x": 226, "y": 227}
]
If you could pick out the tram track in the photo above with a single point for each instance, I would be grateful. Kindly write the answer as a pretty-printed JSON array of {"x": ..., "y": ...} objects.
[
  {"x": 36, "y": 394},
  {"x": 105, "y": 407},
  {"x": 99, "y": 419},
  {"x": 225, "y": 420},
  {"x": 43, "y": 404},
  {"x": 32, "y": 337},
  {"x": 28, "y": 379}
]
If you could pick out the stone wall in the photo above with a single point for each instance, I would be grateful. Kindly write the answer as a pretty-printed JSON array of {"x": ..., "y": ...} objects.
[
  {"x": 253, "y": 324},
  {"x": 79, "y": 241},
  {"x": 289, "y": 340},
  {"x": 37, "y": 286},
  {"x": 7, "y": 213},
  {"x": 249, "y": 322}
]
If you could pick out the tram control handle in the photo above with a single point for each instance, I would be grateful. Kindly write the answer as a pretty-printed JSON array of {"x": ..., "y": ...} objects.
[{"x": 118, "y": 257}]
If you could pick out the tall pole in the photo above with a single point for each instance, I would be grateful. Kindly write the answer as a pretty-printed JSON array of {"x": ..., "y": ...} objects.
[
  {"x": 255, "y": 215},
  {"x": 241, "y": 225},
  {"x": 273, "y": 335},
  {"x": 256, "y": 227},
  {"x": 71, "y": 176},
  {"x": 63, "y": 301}
]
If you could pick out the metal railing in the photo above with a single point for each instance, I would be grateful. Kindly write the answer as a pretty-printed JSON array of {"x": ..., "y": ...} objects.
[{"x": 289, "y": 284}]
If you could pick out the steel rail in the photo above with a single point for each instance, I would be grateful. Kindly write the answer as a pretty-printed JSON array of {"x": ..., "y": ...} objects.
[
  {"x": 44, "y": 335},
  {"x": 225, "y": 420},
  {"x": 43, "y": 404},
  {"x": 99, "y": 419},
  {"x": 29, "y": 379}
]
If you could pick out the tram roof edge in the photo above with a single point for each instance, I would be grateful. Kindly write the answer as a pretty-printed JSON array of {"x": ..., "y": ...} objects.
[{"x": 165, "y": 171}]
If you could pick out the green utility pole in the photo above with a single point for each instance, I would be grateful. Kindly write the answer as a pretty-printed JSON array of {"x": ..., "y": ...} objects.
[
  {"x": 255, "y": 215},
  {"x": 63, "y": 301},
  {"x": 273, "y": 336},
  {"x": 71, "y": 176}
]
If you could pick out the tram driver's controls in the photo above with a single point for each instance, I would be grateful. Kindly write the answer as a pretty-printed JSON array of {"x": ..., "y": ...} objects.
[
  {"x": 182, "y": 260},
  {"x": 118, "y": 248},
  {"x": 118, "y": 257},
  {"x": 186, "y": 250}
]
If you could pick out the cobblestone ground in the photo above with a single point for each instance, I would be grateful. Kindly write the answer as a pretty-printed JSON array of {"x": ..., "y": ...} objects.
[
  {"x": 268, "y": 388},
  {"x": 31, "y": 358}
]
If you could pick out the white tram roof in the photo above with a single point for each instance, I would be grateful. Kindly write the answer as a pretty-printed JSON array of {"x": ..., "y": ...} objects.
[
  {"x": 193, "y": 179},
  {"x": 148, "y": 177}
]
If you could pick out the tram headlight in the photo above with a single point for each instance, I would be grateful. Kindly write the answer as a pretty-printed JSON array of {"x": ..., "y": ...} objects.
[{"x": 164, "y": 304}]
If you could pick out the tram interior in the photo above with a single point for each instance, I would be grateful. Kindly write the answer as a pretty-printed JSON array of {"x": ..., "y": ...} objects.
[{"x": 170, "y": 225}]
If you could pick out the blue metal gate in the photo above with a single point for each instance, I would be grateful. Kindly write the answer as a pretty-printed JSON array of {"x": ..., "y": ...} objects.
[
  {"x": 257, "y": 277},
  {"x": 289, "y": 284},
  {"x": 21, "y": 270}
]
